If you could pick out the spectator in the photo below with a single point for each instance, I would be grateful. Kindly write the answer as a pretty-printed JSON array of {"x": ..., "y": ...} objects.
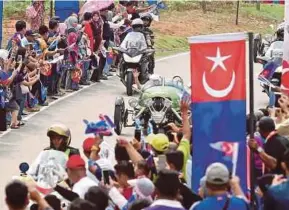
[
  {"x": 278, "y": 193},
  {"x": 15, "y": 41},
  {"x": 167, "y": 194},
  {"x": 91, "y": 149},
  {"x": 80, "y": 204},
  {"x": 140, "y": 204},
  {"x": 28, "y": 39},
  {"x": 77, "y": 175},
  {"x": 124, "y": 171},
  {"x": 143, "y": 188},
  {"x": 274, "y": 147},
  {"x": 38, "y": 20},
  {"x": 98, "y": 197},
  {"x": 9, "y": 88},
  {"x": 142, "y": 169},
  {"x": 217, "y": 184},
  {"x": 16, "y": 196}
]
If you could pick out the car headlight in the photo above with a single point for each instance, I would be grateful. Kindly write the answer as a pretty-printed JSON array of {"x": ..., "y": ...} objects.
[
  {"x": 279, "y": 69},
  {"x": 133, "y": 102}
]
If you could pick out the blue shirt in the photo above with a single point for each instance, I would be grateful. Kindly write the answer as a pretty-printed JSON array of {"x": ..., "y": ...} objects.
[
  {"x": 277, "y": 197},
  {"x": 218, "y": 203}
]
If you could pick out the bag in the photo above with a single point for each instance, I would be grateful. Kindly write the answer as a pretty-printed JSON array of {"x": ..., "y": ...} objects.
[
  {"x": 46, "y": 70},
  {"x": 31, "y": 12},
  {"x": 33, "y": 101},
  {"x": 43, "y": 92}
]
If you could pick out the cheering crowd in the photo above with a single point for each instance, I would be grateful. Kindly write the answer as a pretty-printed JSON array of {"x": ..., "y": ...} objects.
[
  {"x": 47, "y": 61},
  {"x": 152, "y": 172}
]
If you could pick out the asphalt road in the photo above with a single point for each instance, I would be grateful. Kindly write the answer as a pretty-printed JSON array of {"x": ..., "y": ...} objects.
[{"x": 25, "y": 144}]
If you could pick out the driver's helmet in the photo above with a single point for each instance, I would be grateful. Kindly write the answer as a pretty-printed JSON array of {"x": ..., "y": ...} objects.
[
  {"x": 137, "y": 24},
  {"x": 148, "y": 18},
  {"x": 61, "y": 130}
]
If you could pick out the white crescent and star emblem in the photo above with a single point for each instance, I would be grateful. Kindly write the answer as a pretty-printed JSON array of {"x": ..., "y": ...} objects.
[{"x": 218, "y": 61}]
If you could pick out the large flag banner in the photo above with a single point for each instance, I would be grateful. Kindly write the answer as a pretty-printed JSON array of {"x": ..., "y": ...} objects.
[
  {"x": 218, "y": 78},
  {"x": 285, "y": 71}
]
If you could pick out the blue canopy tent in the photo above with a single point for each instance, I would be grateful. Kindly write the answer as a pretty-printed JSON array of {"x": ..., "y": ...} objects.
[{"x": 64, "y": 9}]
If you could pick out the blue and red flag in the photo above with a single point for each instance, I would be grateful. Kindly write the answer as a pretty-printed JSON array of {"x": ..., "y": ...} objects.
[{"x": 218, "y": 78}]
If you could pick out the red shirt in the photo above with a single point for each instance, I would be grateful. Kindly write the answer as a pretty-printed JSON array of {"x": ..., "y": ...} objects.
[{"x": 89, "y": 32}]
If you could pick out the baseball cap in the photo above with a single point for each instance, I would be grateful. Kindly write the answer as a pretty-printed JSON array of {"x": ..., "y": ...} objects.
[
  {"x": 74, "y": 162},
  {"x": 88, "y": 143},
  {"x": 30, "y": 33},
  {"x": 217, "y": 173},
  {"x": 144, "y": 187},
  {"x": 159, "y": 142}
]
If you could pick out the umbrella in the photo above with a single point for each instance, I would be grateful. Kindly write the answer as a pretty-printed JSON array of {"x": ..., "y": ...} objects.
[{"x": 95, "y": 5}]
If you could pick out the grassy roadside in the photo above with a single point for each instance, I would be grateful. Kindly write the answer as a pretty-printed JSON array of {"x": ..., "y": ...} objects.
[{"x": 219, "y": 18}]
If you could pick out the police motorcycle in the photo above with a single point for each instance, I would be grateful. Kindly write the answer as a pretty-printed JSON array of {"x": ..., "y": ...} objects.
[
  {"x": 261, "y": 45},
  {"x": 134, "y": 56},
  {"x": 47, "y": 170},
  {"x": 270, "y": 76}
]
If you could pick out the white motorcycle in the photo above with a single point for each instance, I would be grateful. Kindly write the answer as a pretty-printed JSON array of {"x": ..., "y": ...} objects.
[{"x": 47, "y": 170}]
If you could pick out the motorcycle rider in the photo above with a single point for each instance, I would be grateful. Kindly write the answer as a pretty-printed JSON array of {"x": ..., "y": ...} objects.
[
  {"x": 280, "y": 34},
  {"x": 136, "y": 39},
  {"x": 60, "y": 139},
  {"x": 149, "y": 35}
]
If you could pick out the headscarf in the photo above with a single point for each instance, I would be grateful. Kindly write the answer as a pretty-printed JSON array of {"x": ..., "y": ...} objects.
[{"x": 70, "y": 22}]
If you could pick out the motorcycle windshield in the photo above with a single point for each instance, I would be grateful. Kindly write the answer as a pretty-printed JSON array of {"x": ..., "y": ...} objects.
[
  {"x": 134, "y": 40},
  {"x": 275, "y": 50},
  {"x": 49, "y": 168}
]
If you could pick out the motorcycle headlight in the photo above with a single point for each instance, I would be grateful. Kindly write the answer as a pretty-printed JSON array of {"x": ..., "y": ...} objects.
[
  {"x": 279, "y": 69},
  {"x": 133, "y": 102},
  {"x": 148, "y": 102}
]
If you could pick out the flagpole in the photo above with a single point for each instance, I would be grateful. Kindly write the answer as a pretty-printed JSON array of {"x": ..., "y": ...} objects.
[{"x": 251, "y": 91}]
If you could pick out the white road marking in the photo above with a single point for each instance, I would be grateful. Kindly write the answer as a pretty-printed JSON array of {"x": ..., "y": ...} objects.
[{"x": 76, "y": 92}]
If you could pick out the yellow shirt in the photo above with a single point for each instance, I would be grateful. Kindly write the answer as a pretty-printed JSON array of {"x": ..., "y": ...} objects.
[{"x": 184, "y": 147}]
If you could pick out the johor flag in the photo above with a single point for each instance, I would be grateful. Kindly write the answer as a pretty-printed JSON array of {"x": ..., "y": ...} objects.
[
  {"x": 218, "y": 78},
  {"x": 230, "y": 152}
]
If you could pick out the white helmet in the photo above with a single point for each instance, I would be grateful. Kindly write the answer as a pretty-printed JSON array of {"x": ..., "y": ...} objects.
[{"x": 137, "y": 21}]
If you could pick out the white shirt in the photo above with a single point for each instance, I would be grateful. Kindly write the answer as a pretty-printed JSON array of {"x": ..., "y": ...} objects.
[{"x": 83, "y": 185}]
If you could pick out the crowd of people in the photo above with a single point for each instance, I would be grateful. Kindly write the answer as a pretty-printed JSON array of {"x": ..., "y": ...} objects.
[
  {"x": 152, "y": 172},
  {"x": 45, "y": 62}
]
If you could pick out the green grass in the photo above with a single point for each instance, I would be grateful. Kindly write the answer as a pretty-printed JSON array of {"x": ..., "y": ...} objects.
[
  {"x": 273, "y": 12},
  {"x": 167, "y": 45},
  {"x": 18, "y": 8}
]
